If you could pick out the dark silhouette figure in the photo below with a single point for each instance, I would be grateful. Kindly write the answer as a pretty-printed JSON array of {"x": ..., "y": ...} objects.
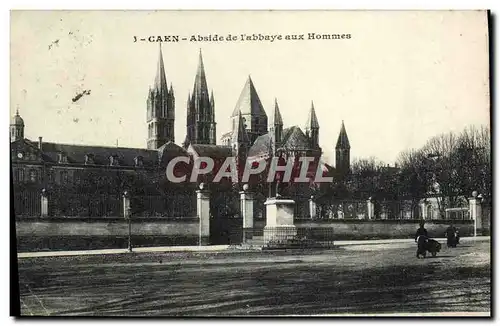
[
  {"x": 421, "y": 239},
  {"x": 452, "y": 237}
]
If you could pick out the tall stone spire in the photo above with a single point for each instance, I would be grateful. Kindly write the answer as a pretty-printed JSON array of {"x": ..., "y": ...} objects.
[
  {"x": 312, "y": 127},
  {"x": 342, "y": 151},
  {"x": 343, "y": 140},
  {"x": 160, "y": 108},
  {"x": 312, "y": 120},
  {"x": 276, "y": 127},
  {"x": 277, "y": 120},
  {"x": 160, "y": 84},
  {"x": 240, "y": 142},
  {"x": 200, "y": 88},
  {"x": 201, "y": 110}
]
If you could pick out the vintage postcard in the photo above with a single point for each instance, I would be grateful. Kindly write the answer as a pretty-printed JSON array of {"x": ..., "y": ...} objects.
[{"x": 250, "y": 163}]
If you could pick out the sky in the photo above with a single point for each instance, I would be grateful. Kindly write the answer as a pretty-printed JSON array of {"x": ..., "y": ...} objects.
[{"x": 400, "y": 79}]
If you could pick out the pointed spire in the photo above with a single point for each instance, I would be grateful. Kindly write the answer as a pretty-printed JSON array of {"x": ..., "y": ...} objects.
[
  {"x": 277, "y": 120},
  {"x": 171, "y": 90},
  {"x": 160, "y": 79},
  {"x": 240, "y": 135},
  {"x": 343, "y": 140},
  {"x": 312, "y": 120},
  {"x": 249, "y": 102},
  {"x": 200, "y": 82}
]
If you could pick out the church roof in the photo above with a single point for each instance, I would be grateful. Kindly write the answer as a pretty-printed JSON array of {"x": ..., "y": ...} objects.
[
  {"x": 261, "y": 146},
  {"x": 212, "y": 151},
  {"x": 170, "y": 150},
  {"x": 312, "y": 120},
  {"x": 76, "y": 154},
  {"x": 293, "y": 139},
  {"x": 343, "y": 140},
  {"x": 249, "y": 101}
]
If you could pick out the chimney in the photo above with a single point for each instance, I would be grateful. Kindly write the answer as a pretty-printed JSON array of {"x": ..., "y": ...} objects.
[{"x": 40, "y": 143}]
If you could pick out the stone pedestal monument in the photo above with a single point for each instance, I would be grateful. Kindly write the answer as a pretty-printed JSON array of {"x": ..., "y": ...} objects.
[{"x": 279, "y": 222}]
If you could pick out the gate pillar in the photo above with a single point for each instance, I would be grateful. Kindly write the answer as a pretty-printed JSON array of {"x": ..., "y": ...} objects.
[
  {"x": 312, "y": 208},
  {"x": 45, "y": 204},
  {"x": 475, "y": 212},
  {"x": 246, "y": 208},
  {"x": 203, "y": 214},
  {"x": 370, "y": 208}
]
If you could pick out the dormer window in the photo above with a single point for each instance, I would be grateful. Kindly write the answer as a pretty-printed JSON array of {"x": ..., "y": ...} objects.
[
  {"x": 113, "y": 160},
  {"x": 138, "y": 161},
  {"x": 62, "y": 158},
  {"x": 89, "y": 159}
]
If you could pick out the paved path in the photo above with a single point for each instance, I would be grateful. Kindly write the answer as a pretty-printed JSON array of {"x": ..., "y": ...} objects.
[
  {"x": 368, "y": 279},
  {"x": 216, "y": 248}
]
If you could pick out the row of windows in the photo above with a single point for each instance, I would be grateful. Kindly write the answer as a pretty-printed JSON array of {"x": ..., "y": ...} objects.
[{"x": 30, "y": 176}]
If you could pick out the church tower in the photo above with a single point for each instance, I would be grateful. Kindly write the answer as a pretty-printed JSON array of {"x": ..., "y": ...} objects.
[
  {"x": 342, "y": 151},
  {"x": 200, "y": 124},
  {"x": 160, "y": 109},
  {"x": 312, "y": 128},
  {"x": 16, "y": 127},
  {"x": 251, "y": 109},
  {"x": 276, "y": 127}
]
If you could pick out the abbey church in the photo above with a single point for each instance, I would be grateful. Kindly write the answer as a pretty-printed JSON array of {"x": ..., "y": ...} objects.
[
  {"x": 49, "y": 166},
  {"x": 253, "y": 133}
]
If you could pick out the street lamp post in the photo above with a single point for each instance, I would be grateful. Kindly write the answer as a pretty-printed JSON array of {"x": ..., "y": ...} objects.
[{"x": 128, "y": 216}]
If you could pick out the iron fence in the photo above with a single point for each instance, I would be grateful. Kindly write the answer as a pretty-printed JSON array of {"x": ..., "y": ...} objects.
[{"x": 27, "y": 203}]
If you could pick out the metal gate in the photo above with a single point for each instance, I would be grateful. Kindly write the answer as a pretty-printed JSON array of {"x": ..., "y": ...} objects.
[{"x": 226, "y": 223}]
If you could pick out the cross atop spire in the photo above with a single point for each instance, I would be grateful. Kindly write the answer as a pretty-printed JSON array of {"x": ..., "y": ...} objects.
[
  {"x": 312, "y": 120},
  {"x": 160, "y": 79},
  {"x": 343, "y": 140}
]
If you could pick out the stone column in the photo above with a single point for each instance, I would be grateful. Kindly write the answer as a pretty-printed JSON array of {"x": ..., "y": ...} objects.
[
  {"x": 370, "y": 208},
  {"x": 312, "y": 208},
  {"x": 246, "y": 207},
  {"x": 45, "y": 204},
  {"x": 203, "y": 213},
  {"x": 279, "y": 220},
  {"x": 423, "y": 209},
  {"x": 475, "y": 212}
]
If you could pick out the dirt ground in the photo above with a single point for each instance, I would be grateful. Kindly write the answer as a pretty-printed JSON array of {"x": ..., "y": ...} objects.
[{"x": 376, "y": 278}]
